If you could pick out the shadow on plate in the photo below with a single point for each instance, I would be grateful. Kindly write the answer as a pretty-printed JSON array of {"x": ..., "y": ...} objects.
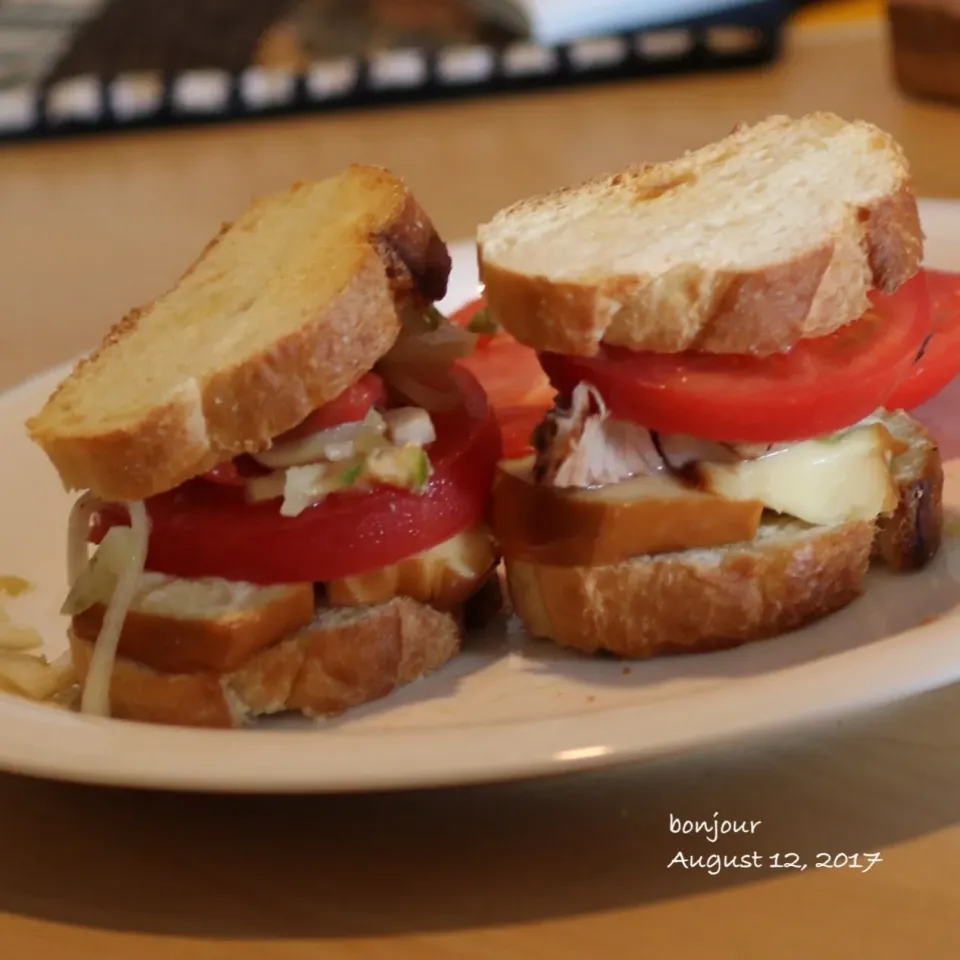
[{"x": 418, "y": 862}]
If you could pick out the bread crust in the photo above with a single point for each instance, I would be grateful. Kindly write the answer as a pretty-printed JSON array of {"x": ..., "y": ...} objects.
[
  {"x": 909, "y": 538},
  {"x": 241, "y": 407},
  {"x": 188, "y": 644},
  {"x": 342, "y": 659},
  {"x": 765, "y": 311},
  {"x": 696, "y": 601}
]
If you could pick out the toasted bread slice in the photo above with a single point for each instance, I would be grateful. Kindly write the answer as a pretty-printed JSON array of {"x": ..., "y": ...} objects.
[
  {"x": 344, "y": 657},
  {"x": 282, "y": 311},
  {"x": 180, "y": 626},
  {"x": 695, "y": 601},
  {"x": 699, "y": 600},
  {"x": 771, "y": 235},
  {"x": 910, "y": 537}
]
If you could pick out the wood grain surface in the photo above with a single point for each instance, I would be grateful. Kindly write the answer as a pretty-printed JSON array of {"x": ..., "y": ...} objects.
[{"x": 572, "y": 868}]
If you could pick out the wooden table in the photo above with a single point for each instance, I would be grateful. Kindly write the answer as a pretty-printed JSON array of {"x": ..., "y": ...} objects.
[{"x": 561, "y": 869}]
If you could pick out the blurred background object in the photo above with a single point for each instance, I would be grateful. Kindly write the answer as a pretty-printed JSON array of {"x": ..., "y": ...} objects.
[
  {"x": 71, "y": 66},
  {"x": 925, "y": 43}
]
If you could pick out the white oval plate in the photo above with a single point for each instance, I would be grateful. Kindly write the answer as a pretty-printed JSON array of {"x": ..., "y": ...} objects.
[{"x": 508, "y": 707}]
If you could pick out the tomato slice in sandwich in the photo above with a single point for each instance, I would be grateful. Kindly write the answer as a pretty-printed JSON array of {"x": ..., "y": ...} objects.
[
  {"x": 353, "y": 404},
  {"x": 510, "y": 372},
  {"x": 940, "y": 360},
  {"x": 820, "y": 386},
  {"x": 203, "y": 529}
]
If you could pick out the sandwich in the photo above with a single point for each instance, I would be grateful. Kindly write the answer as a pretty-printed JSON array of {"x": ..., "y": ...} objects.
[
  {"x": 284, "y": 475},
  {"x": 726, "y": 334}
]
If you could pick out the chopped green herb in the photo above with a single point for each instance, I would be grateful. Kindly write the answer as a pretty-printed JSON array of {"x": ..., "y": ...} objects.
[
  {"x": 421, "y": 472},
  {"x": 435, "y": 319},
  {"x": 351, "y": 475},
  {"x": 407, "y": 467},
  {"x": 482, "y": 322}
]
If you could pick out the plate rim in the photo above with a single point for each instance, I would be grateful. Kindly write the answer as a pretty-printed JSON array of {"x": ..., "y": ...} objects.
[{"x": 134, "y": 755}]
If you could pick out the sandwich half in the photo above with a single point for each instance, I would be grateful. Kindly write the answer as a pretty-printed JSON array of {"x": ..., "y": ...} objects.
[
  {"x": 726, "y": 333},
  {"x": 285, "y": 474}
]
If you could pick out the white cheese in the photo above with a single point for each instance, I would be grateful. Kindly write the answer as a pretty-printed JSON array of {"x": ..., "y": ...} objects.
[{"x": 833, "y": 480}]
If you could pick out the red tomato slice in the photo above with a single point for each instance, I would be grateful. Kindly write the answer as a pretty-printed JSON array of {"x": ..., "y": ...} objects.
[
  {"x": 818, "y": 387},
  {"x": 516, "y": 385},
  {"x": 236, "y": 472},
  {"x": 351, "y": 405},
  {"x": 201, "y": 529},
  {"x": 940, "y": 361},
  {"x": 225, "y": 474}
]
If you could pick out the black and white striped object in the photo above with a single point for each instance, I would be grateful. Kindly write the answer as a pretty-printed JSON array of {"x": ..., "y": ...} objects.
[{"x": 39, "y": 97}]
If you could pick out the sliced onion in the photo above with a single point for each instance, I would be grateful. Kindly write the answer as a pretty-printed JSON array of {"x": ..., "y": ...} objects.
[
  {"x": 298, "y": 487},
  {"x": 96, "y": 689},
  {"x": 310, "y": 484},
  {"x": 268, "y": 487},
  {"x": 35, "y": 677},
  {"x": 415, "y": 318},
  {"x": 335, "y": 443},
  {"x": 410, "y": 425},
  {"x": 17, "y": 637},
  {"x": 409, "y": 382},
  {"x": 443, "y": 345},
  {"x": 78, "y": 530},
  {"x": 99, "y": 577}
]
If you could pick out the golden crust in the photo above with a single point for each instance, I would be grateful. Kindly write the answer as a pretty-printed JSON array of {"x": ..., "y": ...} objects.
[
  {"x": 767, "y": 310},
  {"x": 176, "y": 642},
  {"x": 344, "y": 658},
  {"x": 910, "y": 537},
  {"x": 695, "y": 601},
  {"x": 348, "y": 657},
  {"x": 395, "y": 254}
]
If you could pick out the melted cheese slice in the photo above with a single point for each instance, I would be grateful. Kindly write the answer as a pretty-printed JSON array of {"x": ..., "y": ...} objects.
[
  {"x": 833, "y": 480},
  {"x": 445, "y": 575}
]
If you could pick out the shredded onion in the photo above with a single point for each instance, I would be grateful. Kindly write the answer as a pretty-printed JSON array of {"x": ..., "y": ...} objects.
[
  {"x": 443, "y": 345},
  {"x": 334, "y": 443},
  {"x": 418, "y": 364},
  {"x": 268, "y": 487},
  {"x": 98, "y": 579},
  {"x": 24, "y": 673},
  {"x": 17, "y": 637},
  {"x": 33, "y": 676},
  {"x": 78, "y": 529},
  {"x": 408, "y": 381},
  {"x": 410, "y": 425},
  {"x": 96, "y": 691}
]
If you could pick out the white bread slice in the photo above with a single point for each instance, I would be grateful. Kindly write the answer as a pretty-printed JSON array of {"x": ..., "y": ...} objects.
[
  {"x": 179, "y": 625},
  {"x": 281, "y": 312},
  {"x": 699, "y": 600},
  {"x": 343, "y": 658},
  {"x": 695, "y": 601},
  {"x": 771, "y": 235},
  {"x": 192, "y": 649}
]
